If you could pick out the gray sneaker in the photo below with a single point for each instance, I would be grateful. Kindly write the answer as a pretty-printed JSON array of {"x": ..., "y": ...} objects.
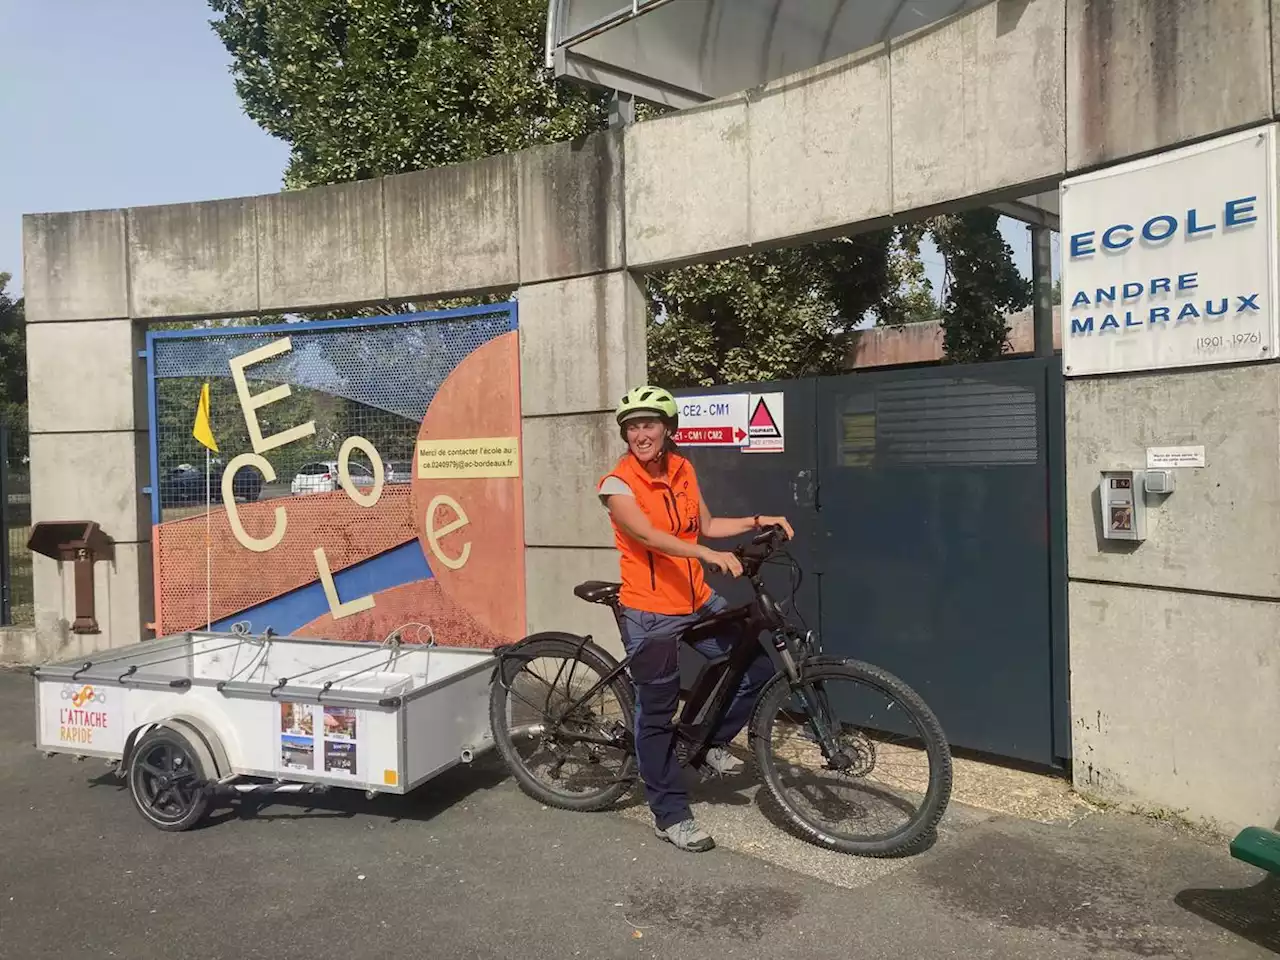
[
  {"x": 686, "y": 835},
  {"x": 721, "y": 762}
]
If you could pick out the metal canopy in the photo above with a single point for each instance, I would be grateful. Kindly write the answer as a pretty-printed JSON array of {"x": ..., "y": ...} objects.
[{"x": 685, "y": 52}]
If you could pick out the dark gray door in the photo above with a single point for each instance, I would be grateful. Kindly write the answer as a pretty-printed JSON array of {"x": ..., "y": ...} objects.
[
  {"x": 929, "y": 519},
  {"x": 736, "y": 484},
  {"x": 937, "y": 542}
]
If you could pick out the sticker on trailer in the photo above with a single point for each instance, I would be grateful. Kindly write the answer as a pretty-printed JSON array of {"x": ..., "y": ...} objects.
[
  {"x": 713, "y": 421},
  {"x": 83, "y": 716},
  {"x": 297, "y": 737},
  {"x": 340, "y": 740},
  {"x": 766, "y": 431}
]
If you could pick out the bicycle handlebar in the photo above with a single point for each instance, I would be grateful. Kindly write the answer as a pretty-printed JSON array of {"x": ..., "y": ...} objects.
[{"x": 762, "y": 546}]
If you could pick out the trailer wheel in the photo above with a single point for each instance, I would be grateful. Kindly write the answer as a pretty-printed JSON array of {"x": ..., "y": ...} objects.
[{"x": 166, "y": 780}]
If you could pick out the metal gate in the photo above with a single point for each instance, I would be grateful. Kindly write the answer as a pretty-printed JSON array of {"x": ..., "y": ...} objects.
[{"x": 929, "y": 508}]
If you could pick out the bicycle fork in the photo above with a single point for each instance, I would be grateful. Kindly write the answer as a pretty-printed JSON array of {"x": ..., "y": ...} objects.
[{"x": 810, "y": 695}]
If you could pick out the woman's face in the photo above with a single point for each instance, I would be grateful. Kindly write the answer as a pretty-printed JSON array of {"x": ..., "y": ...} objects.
[{"x": 646, "y": 438}]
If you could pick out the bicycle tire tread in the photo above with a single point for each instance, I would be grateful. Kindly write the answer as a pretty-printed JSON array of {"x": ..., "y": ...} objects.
[
  {"x": 940, "y": 777},
  {"x": 570, "y": 649}
]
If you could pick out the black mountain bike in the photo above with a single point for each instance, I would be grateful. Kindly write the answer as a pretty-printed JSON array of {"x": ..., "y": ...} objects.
[{"x": 854, "y": 757}]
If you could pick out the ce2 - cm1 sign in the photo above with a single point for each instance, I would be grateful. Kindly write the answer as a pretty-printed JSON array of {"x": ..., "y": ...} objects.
[{"x": 1170, "y": 261}]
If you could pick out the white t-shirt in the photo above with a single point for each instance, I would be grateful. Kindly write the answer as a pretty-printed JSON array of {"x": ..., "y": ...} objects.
[{"x": 613, "y": 486}]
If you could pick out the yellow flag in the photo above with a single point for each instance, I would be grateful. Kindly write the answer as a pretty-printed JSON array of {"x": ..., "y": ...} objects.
[{"x": 203, "y": 431}]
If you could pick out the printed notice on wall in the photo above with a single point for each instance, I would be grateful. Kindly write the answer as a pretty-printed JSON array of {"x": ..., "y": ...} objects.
[
  {"x": 1167, "y": 457},
  {"x": 482, "y": 457},
  {"x": 765, "y": 425}
]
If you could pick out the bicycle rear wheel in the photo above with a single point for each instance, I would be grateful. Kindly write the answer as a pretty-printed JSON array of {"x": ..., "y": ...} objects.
[
  {"x": 886, "y": 784},
  {"x": 576, "y": 756}
]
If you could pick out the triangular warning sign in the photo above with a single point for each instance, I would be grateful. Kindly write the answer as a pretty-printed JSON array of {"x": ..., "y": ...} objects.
[{"x": 762, "y": 423}]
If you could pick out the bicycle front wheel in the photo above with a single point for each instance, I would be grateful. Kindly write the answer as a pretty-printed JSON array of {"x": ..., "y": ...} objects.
[
  {"x": 565, "y": 735},
  {"x": 854, "y": 757}
]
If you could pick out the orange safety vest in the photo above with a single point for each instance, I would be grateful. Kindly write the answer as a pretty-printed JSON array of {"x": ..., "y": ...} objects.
[{"x": 651, "y": 581}]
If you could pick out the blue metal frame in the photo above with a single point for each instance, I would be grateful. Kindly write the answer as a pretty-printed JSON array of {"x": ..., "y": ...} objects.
[{"x": 149, "y": 354}]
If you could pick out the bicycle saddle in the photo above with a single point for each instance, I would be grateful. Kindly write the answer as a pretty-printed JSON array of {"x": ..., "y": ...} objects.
[{"x": 597, "y": 591}]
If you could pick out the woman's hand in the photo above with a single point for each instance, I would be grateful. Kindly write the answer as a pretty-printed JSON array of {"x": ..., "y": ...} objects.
[
  {"x": 722, "y": 562},
  {"x": 778, "y": 522}
]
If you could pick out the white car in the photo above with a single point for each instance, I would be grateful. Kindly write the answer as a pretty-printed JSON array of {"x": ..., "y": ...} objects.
[{"x": 322, "y": 477}]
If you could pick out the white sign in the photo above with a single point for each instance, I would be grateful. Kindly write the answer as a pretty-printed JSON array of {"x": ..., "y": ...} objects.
[
  {"x": 713, "y": 421},
  {"x": 1165, "y": 457},
  {"x": 81, "y": 716},
  {"x": 766, "y": 424},
  {"x": 1170, "y": 261}
]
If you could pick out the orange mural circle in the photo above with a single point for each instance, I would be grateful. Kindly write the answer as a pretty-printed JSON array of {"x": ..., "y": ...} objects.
[{"x": 467, "y": 508}]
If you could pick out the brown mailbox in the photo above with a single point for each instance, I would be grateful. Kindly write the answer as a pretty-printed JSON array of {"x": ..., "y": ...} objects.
[{"x": 80, "y": 541}]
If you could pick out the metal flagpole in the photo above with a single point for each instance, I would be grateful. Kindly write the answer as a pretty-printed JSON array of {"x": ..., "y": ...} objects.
[{"x": 208, "y": 539}]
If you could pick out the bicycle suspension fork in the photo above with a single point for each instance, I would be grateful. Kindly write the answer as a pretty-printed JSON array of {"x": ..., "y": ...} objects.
[{"x": 814, "y": 700}]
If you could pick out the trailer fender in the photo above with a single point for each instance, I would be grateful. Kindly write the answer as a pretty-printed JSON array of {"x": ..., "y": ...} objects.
[
  {"x": 130, "y": 742},
  {"x": 213, "y": 756},
  {"x": 514, "y": 649}
]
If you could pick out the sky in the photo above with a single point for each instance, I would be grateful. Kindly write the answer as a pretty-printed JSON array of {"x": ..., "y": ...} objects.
[
  {"x": 131, "y": 103},
  {"x": 117, "y": 104}
]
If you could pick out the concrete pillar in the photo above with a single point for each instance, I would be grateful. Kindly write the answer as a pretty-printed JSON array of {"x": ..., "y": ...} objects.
[
  {"x": 582, "y": 345},
  {"x": 1042, "y": 290},
  {"x": 88, "y": 416},
  {"x": 1175, "y": 643}
]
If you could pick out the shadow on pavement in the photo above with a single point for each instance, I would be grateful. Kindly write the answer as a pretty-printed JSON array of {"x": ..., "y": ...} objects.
[
  {"x": 1251, "y": 912},
  {"x": 421, "y": 804},
  {"x": 772, "y": 811}
]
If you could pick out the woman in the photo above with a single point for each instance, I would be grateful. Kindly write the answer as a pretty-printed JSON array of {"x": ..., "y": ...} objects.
[{"x": 658, "y": 514}]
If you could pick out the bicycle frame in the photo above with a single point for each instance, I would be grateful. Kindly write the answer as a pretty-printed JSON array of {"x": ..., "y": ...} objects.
[{"x": 758, "y": 621}]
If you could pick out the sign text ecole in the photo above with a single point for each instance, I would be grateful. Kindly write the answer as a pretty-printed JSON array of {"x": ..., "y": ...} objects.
[{"x": 1170, "y": 261}]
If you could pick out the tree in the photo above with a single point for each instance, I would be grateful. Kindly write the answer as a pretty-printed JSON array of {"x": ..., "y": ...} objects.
[
  {"x": 984, "y": 285},
  {"x": 380, "y": 87},
  {"x": 13, "y": 368},
  {"x": 362, "y": 90}
]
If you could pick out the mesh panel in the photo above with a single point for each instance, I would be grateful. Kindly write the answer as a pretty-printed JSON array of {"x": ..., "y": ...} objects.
[
  {"x": 954, "y": 421},
  {"x": 373, "y": 381},
  {"x": 237, "y": 579},
  {"x": 348, "y": 361}
]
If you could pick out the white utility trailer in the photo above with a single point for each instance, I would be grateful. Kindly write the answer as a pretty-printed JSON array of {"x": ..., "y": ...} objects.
[{"x": 202, "y": 715}]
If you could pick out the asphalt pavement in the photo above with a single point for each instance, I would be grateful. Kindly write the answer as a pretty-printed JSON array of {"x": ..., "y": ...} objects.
[{"x": 469, "y": 867}]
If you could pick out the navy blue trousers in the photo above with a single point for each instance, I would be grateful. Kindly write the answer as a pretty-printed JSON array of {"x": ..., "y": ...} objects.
[{"x": 651, "y": 640}]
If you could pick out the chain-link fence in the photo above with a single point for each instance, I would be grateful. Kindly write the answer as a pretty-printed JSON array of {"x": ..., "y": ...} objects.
[{"x": 17, "y": 603}]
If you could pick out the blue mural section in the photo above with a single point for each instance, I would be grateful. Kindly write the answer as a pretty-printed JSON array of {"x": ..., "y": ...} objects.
[{"x": 292, "y": 611}]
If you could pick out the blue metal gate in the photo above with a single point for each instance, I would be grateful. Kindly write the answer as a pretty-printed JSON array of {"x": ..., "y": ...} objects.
[{"x": 929, "y": 510}]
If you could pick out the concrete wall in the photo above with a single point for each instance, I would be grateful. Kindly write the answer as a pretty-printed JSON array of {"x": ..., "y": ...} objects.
[
  {"x": 970, "y": 107},
  {"x": 1175, "y": 642},
  {"x": 994, "y": 104},
  {"x": 89, "y": 451},
  {"x": 916, "y": 343}
]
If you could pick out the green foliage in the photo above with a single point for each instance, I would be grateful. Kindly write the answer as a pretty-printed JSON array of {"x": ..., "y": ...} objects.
[
  {"x": 13, "y": 368},
  {"x": 985, "y": 285},
  {"x": 372, "y": 87},
  {"x": 765, "y": 316}
]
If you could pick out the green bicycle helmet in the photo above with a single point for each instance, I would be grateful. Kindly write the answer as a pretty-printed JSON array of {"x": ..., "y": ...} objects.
[{"x": 649, "y": 401}]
